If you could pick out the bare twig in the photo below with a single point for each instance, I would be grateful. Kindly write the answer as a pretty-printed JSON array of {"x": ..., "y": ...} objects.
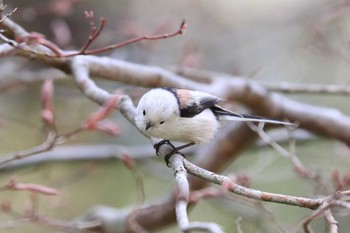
[
  {"x": 56, "y": 52},
  {"x": 129, "y": 163},
  {"x": 10, "y": 42},
  {"x": 268, "y": 215},
  {"x": 306, "y": 88},
  {"x": 48, "y": 113},
  {"x": 338, "y": 199},
  {"x": 180, "y": 31},
  {"x": 211, "y": 192},
  {"x": 333, "y": 224},
  {"x": 34, "y": 38},
  {"x": 31, "y": 215},
  {"x": 10, "y": 224},
  {"x": 260, "y": 208},
  {"x": 13, "y": 185},
  {"x": 49, "y": 222},
  {"x": 238, "y": 225},
  {"x": 94, "y": 31},
  {"x": 7, "y": 14},
  {"x": 51, "y": 140},
  {"x": 325, "y": 206},
  {"x": 291, "y": 155}
]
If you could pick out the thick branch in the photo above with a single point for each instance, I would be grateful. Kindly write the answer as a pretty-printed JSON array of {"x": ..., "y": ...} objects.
[
  {"x": 322, "y": 120},
  {"x": 84, "y": 152}
]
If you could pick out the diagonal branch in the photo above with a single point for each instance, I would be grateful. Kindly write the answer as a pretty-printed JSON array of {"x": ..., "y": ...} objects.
[
  {"x": 311, "y": 203},
  {"x": 95, "y": 32}
]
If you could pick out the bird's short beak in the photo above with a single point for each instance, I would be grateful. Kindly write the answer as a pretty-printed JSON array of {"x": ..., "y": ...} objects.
[{"x": 148, "y": 125}]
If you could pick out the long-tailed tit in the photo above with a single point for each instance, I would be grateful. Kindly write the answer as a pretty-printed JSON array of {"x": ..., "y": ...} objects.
[{"x": 186, "y": 116}]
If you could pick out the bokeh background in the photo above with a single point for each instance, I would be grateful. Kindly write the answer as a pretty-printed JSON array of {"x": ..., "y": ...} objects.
[{"x": 269, "y": 41}]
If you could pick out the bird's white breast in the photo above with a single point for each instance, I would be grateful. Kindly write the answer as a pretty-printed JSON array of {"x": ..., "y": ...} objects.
[{"x": 198, "y": 129}]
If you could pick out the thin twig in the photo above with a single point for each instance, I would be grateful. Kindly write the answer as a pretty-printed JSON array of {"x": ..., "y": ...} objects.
[
  {"x": 307, "y": 88},
  {"x": 94, "y": 32},
  {"x": 238, "y": 225},
  {"x": 130, "y": 165},
  {"x": 291, "y": 155},
  {"x": 180, "y": 31},
  {"x": 34, "y": 38},
  {"x": 4, "y": 16},
  {"x": 325, "y": 206},
  {"x": 333, "y": 224},
  {"x": 45, "y": 146},
  {"x": 10, "y": 224},
  {"x": 10, "y": 42},
  {"x": 211, "y": 192}
]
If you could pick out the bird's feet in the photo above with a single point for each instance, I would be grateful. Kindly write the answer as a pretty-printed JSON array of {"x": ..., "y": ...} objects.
[
  {"x": 174, "y": 151},
  {"x": 160, "y": 143}
]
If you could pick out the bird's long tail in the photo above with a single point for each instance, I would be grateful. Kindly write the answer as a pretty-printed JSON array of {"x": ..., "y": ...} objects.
[{"x": 224, "y": 114}]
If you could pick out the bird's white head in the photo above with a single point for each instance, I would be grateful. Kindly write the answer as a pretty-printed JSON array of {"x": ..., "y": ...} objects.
[{"x": 156, "y": 111}]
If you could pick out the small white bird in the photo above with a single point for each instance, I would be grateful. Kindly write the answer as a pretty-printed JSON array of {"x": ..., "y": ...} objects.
[{"x": 186, "y": 116}]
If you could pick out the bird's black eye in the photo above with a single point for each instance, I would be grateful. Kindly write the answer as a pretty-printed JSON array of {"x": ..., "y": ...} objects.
[
  {"x": 161, "y": 122},
  {"x": 144, "y": 112}
]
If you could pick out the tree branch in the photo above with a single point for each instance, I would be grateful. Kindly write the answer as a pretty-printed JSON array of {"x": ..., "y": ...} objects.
[
  {"x": 83, "y": 152},
  {"x": 310, "y": 203},
  {"x": 296, "y": 88}
]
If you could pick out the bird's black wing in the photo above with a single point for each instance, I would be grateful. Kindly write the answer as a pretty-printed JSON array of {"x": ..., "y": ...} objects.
[
  {"x": 192, "y": 103},
  {"x": 196, "y": 107}
]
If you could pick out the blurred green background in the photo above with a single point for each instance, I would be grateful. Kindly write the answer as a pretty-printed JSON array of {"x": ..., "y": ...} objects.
[{"x": 269, "y": 41}]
